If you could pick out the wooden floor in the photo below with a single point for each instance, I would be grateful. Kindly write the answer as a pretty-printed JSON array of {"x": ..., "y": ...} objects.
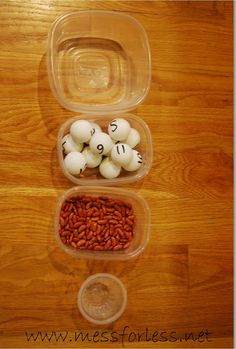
[{"x": 183, "y": 280}]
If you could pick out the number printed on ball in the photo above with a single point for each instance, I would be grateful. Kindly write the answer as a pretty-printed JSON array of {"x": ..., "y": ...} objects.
[
  {"x": 135, "y": 163},
  {"x": 101, "y": 143},
  {"x": 121, "y": 154}
]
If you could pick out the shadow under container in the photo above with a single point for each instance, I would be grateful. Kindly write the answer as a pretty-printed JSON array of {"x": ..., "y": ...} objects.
[{"x": 141, "y": 227}]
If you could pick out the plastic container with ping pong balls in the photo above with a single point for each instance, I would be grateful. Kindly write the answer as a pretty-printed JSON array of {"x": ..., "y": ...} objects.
[{"x": 91, "y": 176}]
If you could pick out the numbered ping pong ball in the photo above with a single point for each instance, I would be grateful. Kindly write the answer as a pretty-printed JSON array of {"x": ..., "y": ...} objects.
[
  {"x": 119, "y": 129},
  {"x": 75, "y": 163},
  {"x": 135, "y": 163},
  {"x": 101, "y": 143},
  {"x": 133, "y": 138},
  {"x": 92, "y": 159},
  {"x": 81, "y": 131},
  {"x": 109, "y": 169},
  {"x": 68, "y": 145},
  {"x": 121, "y": 154},
  {"x": 96, "y": 128},
  {"x": 113, "y": 143}
]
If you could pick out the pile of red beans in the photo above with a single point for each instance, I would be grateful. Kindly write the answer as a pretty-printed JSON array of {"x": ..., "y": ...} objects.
[{"x": 96, "y": 223}]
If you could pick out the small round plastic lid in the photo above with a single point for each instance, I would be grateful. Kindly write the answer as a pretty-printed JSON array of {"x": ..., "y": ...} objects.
[{"x": 102, "y": 298}]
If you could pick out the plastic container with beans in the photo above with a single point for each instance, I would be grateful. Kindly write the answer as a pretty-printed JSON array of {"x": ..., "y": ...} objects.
[{"x": 102, "y": 223}]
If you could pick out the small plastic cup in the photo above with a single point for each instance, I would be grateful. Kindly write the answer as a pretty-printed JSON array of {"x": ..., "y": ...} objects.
[
  {"x": 141, "y": 227},
  {"x": 98, "y": 62},
  {"x": 102, "y": 298},
  {"x": 92, "y": 176}
]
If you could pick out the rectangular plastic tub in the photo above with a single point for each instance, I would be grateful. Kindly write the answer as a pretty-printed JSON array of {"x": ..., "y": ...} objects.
[
  {"x": 98, "y": 62},
  {"x": 92, "y": 176},
  {"x": 141, "y": 228}
]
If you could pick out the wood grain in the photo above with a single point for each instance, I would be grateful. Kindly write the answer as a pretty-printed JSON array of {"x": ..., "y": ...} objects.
[{"x": 183, "y": 280}]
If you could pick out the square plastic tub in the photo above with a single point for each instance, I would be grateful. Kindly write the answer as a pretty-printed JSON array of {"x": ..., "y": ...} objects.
[
  {"x": 141, "y": 228},
  {"x": 98, "y": 62},
  {"x": 92, "y": 176}
]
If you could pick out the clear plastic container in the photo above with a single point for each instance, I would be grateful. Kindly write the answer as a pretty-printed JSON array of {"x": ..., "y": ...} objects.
[
  {"x": 102, "y": 298},
  {"x": 98, "y": 62},
  {"x": 141, "y": 228},
  {"x": 92, "y": 176}
]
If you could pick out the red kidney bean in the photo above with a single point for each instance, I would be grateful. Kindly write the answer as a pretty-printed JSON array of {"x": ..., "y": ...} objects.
[
  {"x": 80, "y": 243},
  {"x": 95, "y": 219},
  {"x": 117, "y": 247},
  {"x": 112, "y": 229},
  {"x": 102, "y": 221},
  {"x": 129, "y": 221},
  {"x": 90, "y": 235},
  {"x": 113, "y": 241},
  {"x": 65, "y": 214},
  {"x": 127, "y": 227},
  {"x": 96, "y": 223},
  {"x": 126, "y": 245},
  {"x": 98, "y": 229},
  {"x": 62, "y": 221},
  {"x": 81, "y": 235},
  {"x": 108, "y": 217},
  {"x": 82, "y": 227},
  {"x": 98, "y": 248},
  {"x": 108, "y": 244},
  {"x": 94, "y": 226},
  {"x": 113, "y": 221},
  {"x": 110, "y": 209}
]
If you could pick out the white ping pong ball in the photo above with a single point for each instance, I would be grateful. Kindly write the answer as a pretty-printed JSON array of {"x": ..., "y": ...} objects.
[
  {"x": 113, "y": 143},
  {"x": 81, "y": 131},
  {"x": 75, "y": 163},
  {"x": 121, "y": 154},
  {"x": 92, "y": 159},
  {"x": 96, "y": 128},
  {"x": 101, "y": 143},
  {"x": 119, "y": 129},
  {"x": 109, "y": 169},
  {"x": 133, "y": 138},
  {"x": 68, "y": 145},
  {"x": 135, "y": 163}
]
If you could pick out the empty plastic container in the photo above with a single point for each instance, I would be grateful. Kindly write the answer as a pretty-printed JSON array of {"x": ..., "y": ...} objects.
[
  {"x": 102, "y": 298},
  {"x": 141, "y": 228},
  {"x": 98, "y": 62}
]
